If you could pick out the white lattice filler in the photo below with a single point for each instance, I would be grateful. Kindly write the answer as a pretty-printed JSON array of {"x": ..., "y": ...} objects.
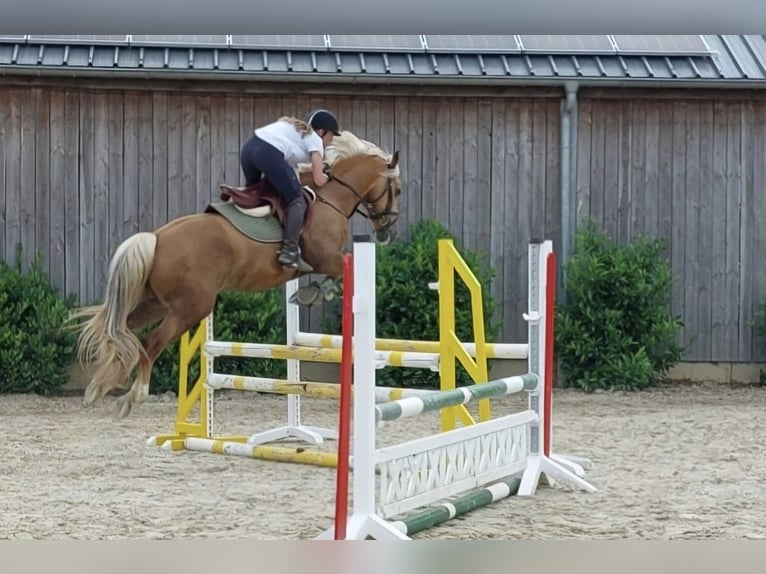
[{"x": 426, "y": 470}]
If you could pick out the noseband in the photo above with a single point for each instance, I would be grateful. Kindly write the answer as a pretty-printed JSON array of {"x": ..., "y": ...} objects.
[{"x": 387, "y": 217}]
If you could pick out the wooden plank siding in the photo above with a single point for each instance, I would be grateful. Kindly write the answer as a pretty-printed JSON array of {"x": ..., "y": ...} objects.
[
  {"x": 692, "y": 173},
  {"x": 82, "y": 168}
]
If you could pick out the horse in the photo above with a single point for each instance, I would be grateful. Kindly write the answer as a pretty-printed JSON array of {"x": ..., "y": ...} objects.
[{"x": 171, "y": 277}]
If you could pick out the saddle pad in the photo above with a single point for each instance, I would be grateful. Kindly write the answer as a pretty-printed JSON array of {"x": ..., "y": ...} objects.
[{"x": 264, "y": 229}]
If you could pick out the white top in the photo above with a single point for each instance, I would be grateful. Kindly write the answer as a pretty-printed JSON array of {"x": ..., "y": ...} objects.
[{"x": 295, "y": 147}]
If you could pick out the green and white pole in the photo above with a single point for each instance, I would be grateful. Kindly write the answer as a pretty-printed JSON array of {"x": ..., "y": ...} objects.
[
  {"x": 413, "y": 406},
  {"x": 464, "y": 504}
]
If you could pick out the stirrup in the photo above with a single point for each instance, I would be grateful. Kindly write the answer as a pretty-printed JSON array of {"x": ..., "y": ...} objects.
[{"x": 293, "y": 260}]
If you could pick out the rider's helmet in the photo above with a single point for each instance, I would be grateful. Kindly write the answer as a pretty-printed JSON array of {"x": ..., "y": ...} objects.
[{"x": 322, "y": 119}]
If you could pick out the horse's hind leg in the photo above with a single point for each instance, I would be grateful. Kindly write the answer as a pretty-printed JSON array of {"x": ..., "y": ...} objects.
[
  {"x": 116, "y": 374},
  {"x": 168, "y": 331},
  {"x": 149, "y": 311}
]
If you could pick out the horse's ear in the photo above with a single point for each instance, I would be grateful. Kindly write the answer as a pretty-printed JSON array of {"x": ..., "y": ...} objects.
[{"x": 394, "y": 160}]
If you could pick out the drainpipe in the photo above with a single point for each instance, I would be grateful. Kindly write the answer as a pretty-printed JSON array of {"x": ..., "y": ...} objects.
[{"x": 568, "y": 179}]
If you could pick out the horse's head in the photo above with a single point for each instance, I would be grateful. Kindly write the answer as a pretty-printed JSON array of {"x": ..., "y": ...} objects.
[
  {"x": 381, "y": 200},
  {"x": 364, "y": 179}
]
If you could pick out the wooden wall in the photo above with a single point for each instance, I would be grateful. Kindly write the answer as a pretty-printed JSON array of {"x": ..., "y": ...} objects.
[
  {"x": 83, "y": 168},
  {"x": 692, "y": 172}
]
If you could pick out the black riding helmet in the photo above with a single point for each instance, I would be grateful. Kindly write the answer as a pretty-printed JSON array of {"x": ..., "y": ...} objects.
[{"x": 323, "y": 120}]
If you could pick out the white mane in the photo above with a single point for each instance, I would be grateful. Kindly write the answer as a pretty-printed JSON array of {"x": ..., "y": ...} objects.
[{"x": 349, "y": 145}]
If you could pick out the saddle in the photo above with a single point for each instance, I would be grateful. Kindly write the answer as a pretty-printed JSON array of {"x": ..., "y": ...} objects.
[{"x": 262, "y": 200}]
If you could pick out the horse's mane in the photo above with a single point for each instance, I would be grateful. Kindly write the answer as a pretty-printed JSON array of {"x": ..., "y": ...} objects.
[{"x": 349, "y": 145}]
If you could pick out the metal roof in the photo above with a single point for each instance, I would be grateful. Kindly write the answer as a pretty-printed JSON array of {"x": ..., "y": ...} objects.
[{"x": 735, "y": 61}]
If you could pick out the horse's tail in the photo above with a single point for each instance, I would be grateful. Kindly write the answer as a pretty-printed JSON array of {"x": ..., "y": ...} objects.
[{"x": 105, "y": 339}]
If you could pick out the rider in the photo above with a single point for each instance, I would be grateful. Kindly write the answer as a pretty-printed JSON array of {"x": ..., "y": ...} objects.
[{"x": 274, "y": 151}]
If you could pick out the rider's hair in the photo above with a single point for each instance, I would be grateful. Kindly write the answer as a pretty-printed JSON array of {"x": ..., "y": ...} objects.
[{"x": 302, "y": 127}]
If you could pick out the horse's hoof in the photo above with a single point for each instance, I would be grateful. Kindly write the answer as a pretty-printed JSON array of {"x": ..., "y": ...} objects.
[
  {"x": 123, "y": 407},
  {"x": 330, "y": 289},
  {"x": 307, "y": 295}
]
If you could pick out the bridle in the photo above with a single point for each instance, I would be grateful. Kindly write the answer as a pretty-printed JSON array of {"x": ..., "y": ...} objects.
[{"x": 386, "y": 217}]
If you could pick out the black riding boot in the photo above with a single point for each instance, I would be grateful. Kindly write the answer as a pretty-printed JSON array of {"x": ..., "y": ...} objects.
[{"x": 290, "y": 255}]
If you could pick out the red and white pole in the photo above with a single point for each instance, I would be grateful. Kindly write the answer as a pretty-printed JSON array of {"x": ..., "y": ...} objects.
[
  {"x": 550, "y": 308},
  {"x": 344, "y": 422}
]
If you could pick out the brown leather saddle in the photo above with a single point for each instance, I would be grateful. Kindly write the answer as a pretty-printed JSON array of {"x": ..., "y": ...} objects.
[{"x": 263, "y": 195}]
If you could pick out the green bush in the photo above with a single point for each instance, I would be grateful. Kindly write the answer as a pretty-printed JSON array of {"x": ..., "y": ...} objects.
[
  {"x": 760, "y": 322},
  {"x": 238, "y": 317},
  {"x": 614, "y": 330},
  {"x": 408, "y": 309},
  {"x": 35, "y": 348}
]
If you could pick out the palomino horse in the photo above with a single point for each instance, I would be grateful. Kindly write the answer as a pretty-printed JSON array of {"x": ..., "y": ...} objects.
[{"x": 172, "y": 276}]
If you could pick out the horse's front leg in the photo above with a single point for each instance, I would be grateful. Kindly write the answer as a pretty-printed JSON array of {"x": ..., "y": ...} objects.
[
  {"x": 330, "y": 287},
  {"x": 330, "y": 264},
  {"x": 317, "y": 292}
]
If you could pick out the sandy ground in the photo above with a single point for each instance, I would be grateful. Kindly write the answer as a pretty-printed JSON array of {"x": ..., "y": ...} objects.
[{"x": 678, "y": 462}]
